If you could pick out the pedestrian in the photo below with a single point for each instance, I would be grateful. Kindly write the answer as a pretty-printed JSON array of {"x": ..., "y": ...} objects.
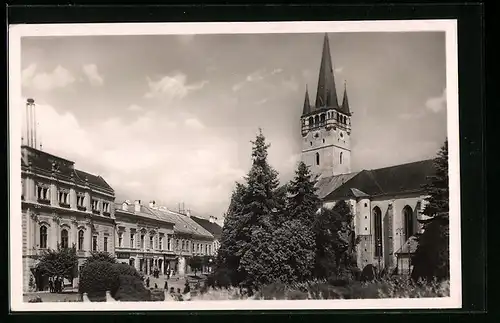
[
  {"x": 51, "y": 285},
  {"x": 147, "y": 282},
  {"x": 165, "y": 287},
  {"x": 187, "y": 288}
]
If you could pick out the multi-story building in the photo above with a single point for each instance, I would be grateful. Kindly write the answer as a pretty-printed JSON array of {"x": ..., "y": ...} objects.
[
  {"x": 386, "y": 202},
  {"x": 62, "y": 206},
  {"x": 143, "y": 239},
  {"x": 189, "y": 239},
  {"x": 211, "y": 226},
  {"x": 153, "y": 237}
]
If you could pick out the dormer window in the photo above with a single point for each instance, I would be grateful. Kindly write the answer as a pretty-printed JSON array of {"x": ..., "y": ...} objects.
[
  {"x": 63, "y": 198},
  {"x": 43, "y": 193},
  {"x": 80, "y": 202},
  {"x": 95, "y": 206},
  {"x": 106, "y": 209}
]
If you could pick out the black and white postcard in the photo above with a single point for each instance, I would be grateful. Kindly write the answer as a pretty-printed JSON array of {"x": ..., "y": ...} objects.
[{"x": 212, "y": 166}]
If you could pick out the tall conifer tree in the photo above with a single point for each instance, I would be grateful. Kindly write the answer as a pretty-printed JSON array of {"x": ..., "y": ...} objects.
[
  {"x": 432, "y": 258},
  {"x": 302, "y": 201}
]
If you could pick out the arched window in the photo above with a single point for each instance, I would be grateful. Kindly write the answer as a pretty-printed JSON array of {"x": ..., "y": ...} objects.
[
  {"x": 341, "y": 157},
  {"x": 317, "y": 159},
  {"x": 345, "y": 119},
  {"x": 316, "y": 121},
  {"x": 377, "y": 228},
  {"x": 408, "y": 222},
  {"x": 43, "y": 237},
  {"x": 311, "y": 121},
  {"x": 323, "y": 119},
  {"x": 64, "y": 238},
  {"x": 80, "y": 240}
]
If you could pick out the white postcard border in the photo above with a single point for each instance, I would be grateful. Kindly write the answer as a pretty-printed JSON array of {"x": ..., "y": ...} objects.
[{"x": 16, "y": 32}]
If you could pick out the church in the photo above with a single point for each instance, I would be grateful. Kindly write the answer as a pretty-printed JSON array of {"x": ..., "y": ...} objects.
[{"x": 386, "y": 202}]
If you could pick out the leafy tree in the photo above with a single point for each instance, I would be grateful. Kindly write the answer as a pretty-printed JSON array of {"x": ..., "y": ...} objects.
[
  {"x": 431, "y": 259},
  {"x": 335, "y": 241},
  {"x": 100, "y": 256},
  {"x": 196, "y": 263},
  {"x": 59, "y": 263},
  {"x": 302, "y": 202}
]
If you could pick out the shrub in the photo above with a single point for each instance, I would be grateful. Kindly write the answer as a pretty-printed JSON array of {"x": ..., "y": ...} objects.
[
  {"x": 272, "y": 291},
  {"x": 131, "y": 288},
  {"x": 96, "y": 278},
  {"x": 126, "y": 270},
  {"x": 36, "y": 299}
]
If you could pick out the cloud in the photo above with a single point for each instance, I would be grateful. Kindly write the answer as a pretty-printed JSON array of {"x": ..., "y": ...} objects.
[
  {"x": 276, "y": 71},
  {"x": 172, "y": 87},
  {"x": 291, "y": 84},
  {"x": 194, "y": 123},
  {"x": 437, "y": 104},
  {"x": 412, "y": 115},
  {"x": 95, "y": 79},
  {"x": 147, "y": 159},
  {"x": 256, "y": 76},
  {"x": 58, "y": 78},
  {"x": 135, "y": 108},
  {"x": 262, "y": 101}
]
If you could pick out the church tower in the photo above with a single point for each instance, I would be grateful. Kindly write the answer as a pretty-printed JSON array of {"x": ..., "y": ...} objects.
[{"x": 326, "y": 125}]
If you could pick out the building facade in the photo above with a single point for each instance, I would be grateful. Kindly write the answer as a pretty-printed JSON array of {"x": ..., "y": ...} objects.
[
  {"x": 386, "y": 202},
  {"x": 62, "y": 206}
]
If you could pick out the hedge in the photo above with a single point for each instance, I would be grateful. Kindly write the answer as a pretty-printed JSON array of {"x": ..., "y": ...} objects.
[{"x": 96, "y": 278}]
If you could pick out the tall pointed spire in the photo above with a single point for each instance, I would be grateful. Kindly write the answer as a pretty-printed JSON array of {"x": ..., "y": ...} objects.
[
  {"x": 307, "y": 104},
  {"x": 345, "y": 101},
  {"x": 326, "y": 96}
]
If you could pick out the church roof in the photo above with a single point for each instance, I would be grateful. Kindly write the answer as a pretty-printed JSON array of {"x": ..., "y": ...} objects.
[
  {"x": 326, "y": 185},
  {"x": 326, "y": 95},
  {"x": 345, "y": 102},
  {"x": 398, "y": 179}
]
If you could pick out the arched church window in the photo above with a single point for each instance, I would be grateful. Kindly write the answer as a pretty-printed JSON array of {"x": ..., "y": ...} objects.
[
  {"x": 341, "y": 157},
  {"x": 316, "y": 121},
  {"x": 377, "y": 228},
  {"x": 43, "y": 237},
  {"x": 311, "y": 121},
  {"x": 80, "y": 240},
  {"x": 64, "y": 239},
  {"x": 317, "y": 159},
  {"x": 408, "y": 222}
]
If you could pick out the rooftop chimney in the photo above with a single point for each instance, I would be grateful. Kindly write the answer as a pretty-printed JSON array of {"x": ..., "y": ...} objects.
[
  {"x": 188, "y": 213},
  {"x": 138, "y": 206},
  {"x": 125, "y": 206},
  {"x": 212, "y": 219},
  {"x": 152, "y": 204}
]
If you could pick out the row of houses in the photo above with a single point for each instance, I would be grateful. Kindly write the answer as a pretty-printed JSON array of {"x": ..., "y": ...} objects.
[{"x": 63, "y": 206}]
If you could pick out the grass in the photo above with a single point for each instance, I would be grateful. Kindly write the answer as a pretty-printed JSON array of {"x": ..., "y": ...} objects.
[
  {"x": 317, "y": 289},
  {"x": 394, "y": 288}
]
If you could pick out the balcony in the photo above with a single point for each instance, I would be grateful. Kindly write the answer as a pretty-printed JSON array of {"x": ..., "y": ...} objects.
[
  {"x": 63, "y": 204},
  {"x": 43, "y": 201},
  {"x": 81, "y": 208}
]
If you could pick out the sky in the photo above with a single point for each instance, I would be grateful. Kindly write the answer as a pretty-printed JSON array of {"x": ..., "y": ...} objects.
[{"x": 170, "y": 117}]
